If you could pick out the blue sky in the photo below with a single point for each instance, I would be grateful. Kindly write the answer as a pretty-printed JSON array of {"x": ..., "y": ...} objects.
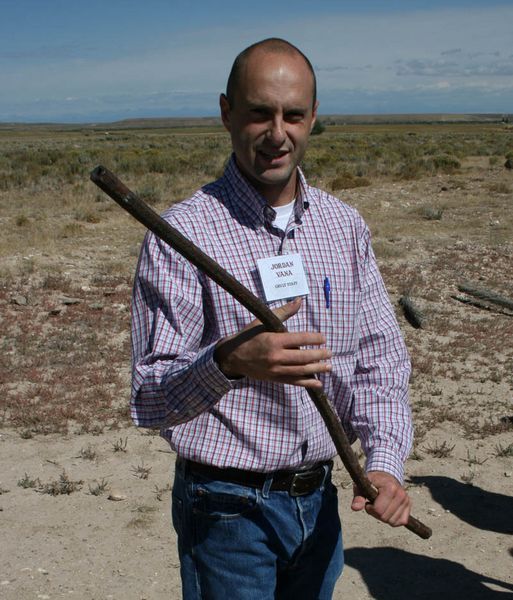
[{"x": 92, "y": 60}]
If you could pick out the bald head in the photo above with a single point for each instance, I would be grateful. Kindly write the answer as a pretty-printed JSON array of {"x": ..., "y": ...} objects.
[{"x": 267, "y": 46}]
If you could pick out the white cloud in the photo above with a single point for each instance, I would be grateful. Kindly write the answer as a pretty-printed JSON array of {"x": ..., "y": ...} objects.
[{"x": 365, "y": 54}]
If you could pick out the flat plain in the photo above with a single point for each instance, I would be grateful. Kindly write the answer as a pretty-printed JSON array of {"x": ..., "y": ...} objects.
[{"x": 84, "y": 496}]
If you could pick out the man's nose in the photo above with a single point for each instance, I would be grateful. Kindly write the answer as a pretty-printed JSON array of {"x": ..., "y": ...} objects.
[{"x": 276, "y": 132}]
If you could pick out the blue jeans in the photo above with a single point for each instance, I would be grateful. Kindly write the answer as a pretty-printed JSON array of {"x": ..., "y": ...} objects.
[{"x": 241, "y": 543}]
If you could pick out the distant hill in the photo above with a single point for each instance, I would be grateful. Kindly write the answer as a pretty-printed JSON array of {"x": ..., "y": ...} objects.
[
  {"x": 213, "y": 122},
  {"x": 414, "y": 118}
]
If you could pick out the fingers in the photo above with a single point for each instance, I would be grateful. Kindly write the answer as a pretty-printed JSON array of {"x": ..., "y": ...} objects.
[
  {"x": 274, "y": 357},
  {"x": 285, "y": 357},
  {"x": 392, "y": 505},
  {"x": 394, "y": 511},
  {"x": 286, "y": 351},
  {"x": 285, "y": 311},
  {"x": 268, "y": 359},
  {"x": 295, "y": 341},
  {"x": 358, "y": 503},
  {"x": 300, "y": 374}
]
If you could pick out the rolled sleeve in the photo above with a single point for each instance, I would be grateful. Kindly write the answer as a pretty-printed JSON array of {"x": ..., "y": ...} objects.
[
  {"x": 174, "y": 378},
  {"x": 381, "y": 413}
]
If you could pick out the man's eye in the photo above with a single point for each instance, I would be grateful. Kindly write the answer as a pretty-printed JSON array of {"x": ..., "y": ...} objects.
[
  {"x": 259, "y": 114},
  {"x": 294, "y": 117}
]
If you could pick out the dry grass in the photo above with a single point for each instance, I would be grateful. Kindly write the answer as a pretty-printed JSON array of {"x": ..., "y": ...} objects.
[
  {"x": 440, "y": 450},
  {"x": 61, "y": 486},
  {"x": 98, "y": 488},
  {"x": 437, "y": 199},
  {"x": 141, "y": 471}
]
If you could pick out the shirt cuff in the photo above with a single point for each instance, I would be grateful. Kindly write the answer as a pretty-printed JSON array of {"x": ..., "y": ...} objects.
[
  {"x": 209, "y": 376},
  {"x": 383, "y": 459}
]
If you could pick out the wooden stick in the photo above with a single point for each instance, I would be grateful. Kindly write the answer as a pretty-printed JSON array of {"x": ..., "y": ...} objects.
[
  {"x": 412, "y": 314},
  {"x": 481, "y": 305},
  {"x": 112, "y": 186},
  {"x": 488, "y": 295}
]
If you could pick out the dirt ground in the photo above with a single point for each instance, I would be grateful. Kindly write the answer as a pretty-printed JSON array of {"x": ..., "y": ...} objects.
[
  {"x": 111, "y": 538},
  {"x": 121, "y": 545}
]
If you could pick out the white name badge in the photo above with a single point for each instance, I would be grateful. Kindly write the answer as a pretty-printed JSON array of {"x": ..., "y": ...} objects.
[{"x": 283, "y": 277}]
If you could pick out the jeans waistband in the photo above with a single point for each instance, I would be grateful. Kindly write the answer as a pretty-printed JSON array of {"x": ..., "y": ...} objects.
[{"x": 296, "y": 483}]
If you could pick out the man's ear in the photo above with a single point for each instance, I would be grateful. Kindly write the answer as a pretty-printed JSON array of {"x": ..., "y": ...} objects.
[
  {"x": 314, "y": 114},
  {"x": 225, "y": 110}
]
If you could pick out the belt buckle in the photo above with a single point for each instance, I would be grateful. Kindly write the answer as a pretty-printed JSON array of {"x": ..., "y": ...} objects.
[{"x": 305, "y": 483}]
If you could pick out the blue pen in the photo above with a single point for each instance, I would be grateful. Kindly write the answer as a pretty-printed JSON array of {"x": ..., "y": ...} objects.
[{"x": 327, "y": 290}]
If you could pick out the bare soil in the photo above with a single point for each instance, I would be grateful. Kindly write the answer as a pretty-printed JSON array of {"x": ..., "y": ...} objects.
[{"x": 111, "y": 536}]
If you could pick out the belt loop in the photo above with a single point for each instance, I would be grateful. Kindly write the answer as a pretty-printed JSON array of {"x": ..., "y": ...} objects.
[
  {"x": 267, "y": 485},
  {"x": 327, "y": 470}
]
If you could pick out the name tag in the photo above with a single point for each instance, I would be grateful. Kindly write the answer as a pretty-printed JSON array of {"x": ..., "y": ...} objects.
[{"x": 282, "y": 277}]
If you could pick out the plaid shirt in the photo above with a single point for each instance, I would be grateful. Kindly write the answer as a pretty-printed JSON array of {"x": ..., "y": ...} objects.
[{"x": 178, "y": 315}]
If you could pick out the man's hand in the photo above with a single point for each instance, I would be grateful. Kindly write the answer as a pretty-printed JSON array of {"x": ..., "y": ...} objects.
[
  {"x": 278, "y": 357},
  {"x": 392, "y": 505}
]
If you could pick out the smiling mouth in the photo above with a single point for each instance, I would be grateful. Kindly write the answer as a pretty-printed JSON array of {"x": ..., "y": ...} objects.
[{"x": 272, "y": 156}]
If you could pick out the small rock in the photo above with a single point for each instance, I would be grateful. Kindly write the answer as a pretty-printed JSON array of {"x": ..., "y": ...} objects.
[
  {"x": 67, "y": 300},
  {"x": 19, "y": 300},
  {"x": 42, "y": 571},
  {"x": 96, "y": 306},
  {"x": 116, "y": 497},
  {"x": 507, "y": 473}
]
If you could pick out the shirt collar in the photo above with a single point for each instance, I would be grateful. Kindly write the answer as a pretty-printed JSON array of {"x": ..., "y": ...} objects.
[{"x": 246, "y": 200}]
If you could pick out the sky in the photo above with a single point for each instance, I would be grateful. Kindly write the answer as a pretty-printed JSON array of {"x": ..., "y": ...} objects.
[{"x": 104, "y": 60}]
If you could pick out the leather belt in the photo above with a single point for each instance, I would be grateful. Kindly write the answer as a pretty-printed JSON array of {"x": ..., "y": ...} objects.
[{"x": 296, "y": 483}]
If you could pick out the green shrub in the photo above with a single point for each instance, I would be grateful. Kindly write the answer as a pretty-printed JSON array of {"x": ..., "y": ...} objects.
[
  {"x": 318, "y": 127},
  {"x": 347, "y": 181},
  {"x": 445, "y": 164},
  {"x": 149, "y": 194}
]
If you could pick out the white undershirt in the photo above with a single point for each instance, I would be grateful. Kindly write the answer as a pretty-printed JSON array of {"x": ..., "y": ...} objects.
[{"x": 283, "y": 215}]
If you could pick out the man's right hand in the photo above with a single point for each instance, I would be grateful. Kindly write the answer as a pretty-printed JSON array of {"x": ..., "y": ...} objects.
[{"x": 259, "y": 354}]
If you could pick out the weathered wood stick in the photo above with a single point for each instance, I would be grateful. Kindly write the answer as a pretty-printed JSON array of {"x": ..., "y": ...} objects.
[
  {"x": 481, "y": 305},
  {"x": 412, "y": 314},
  {"x": 112, "y": 186},
  {"x": 484, "y": 294}
]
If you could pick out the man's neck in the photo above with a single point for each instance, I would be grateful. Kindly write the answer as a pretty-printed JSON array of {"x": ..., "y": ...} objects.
[
  {"x": 280, "y": 196},
  {"x": 275, "y": 195}
]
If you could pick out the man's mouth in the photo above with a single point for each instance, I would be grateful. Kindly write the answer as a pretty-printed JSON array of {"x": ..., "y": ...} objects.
[{"x": 273, "y": 156}]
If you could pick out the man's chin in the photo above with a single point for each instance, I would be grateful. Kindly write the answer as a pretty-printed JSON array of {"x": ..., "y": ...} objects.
[
  {"x": 275, "y": 177},
  {"x": 264, "y": 176},
  {"x": 277, "y": 173}
]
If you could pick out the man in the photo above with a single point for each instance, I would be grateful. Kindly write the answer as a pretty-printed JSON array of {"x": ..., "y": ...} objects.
[{"x": 253, "y": 505}]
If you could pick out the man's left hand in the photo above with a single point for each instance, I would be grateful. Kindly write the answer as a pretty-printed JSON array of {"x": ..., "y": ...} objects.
[{"x": 392, "y": 504}]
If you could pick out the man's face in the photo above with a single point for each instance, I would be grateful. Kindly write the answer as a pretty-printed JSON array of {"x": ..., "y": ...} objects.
[{"x": 270, "y": 122}]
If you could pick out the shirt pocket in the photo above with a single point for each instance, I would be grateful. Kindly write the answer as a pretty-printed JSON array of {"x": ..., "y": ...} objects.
[{"x": 334, "y": 312}]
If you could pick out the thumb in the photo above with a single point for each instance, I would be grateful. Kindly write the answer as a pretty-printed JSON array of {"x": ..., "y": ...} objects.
[
  {"x": 288, "y": 310},
  {"x": 358, "y": 502}
]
